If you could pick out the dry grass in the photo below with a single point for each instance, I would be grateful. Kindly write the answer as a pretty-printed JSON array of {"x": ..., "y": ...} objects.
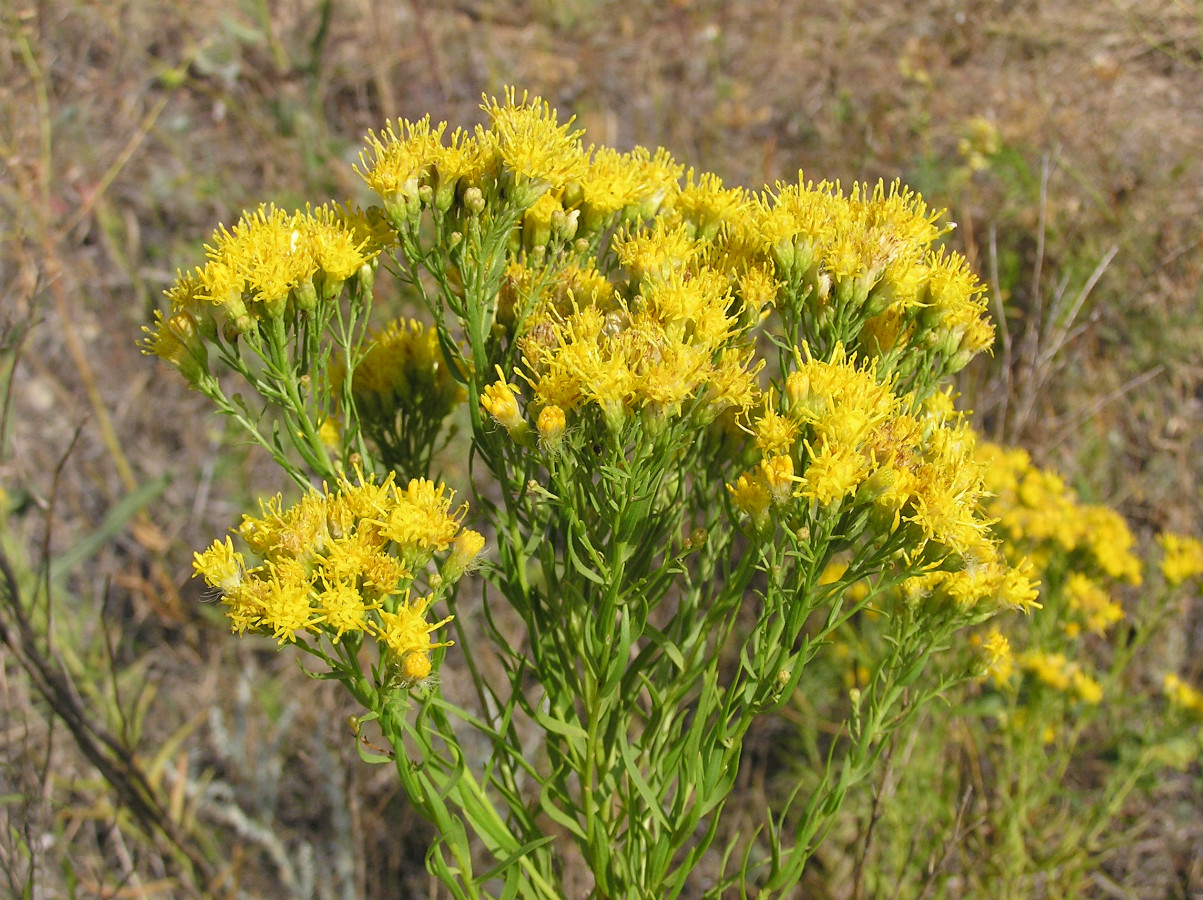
[{"x": 128, "y": 129}]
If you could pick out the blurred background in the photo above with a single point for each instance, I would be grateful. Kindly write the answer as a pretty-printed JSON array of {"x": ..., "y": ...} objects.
[{"x": 1065, "y": 138}]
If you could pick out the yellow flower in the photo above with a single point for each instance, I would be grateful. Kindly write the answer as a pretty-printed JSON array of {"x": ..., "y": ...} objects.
[
  {"x": 750, "y": 495},
  {"x": 999, "y": 661},
  {"x": 775, "y": 433},
  {"x": 422, "y": 521},
  {"x": 758, "y": 290},
  {"x": 244, "y": 605},
  {"x": 1182, "y": 695},
  {"x": 500, "y": 402},
  {"x": 777, "y": 473},
  {"x": 1111, "y": 541},
  {"x": 832, "y": 473},
  {"x": 1183, "y": 557},
  {"x": 177, "y": 340},
  {"x": 550, "y": 425},
  {"x": 406, "y": 636},
  {"x": 658, "y": 252},
  {"x": 286, "y": 601},
  {"x": 660, "y": 176},
  {"x": 465, "y": 555},
  {"x": 1052, "y": 669},
  {"x": 221, "y": 566},
  {"x": 277, "y": 261},
  {"x": 404, "y": 369},
  {"x": 269, "y": 254},
  {"x": 395, "y": 162},
  {"x": 537, "y": 152},
  {"x": 1088, "y": 599},
  {"x": 611, "y": 182},
  {"x": 732, "y": 383},
  {"x": 1018, "y": 590},
  {"x": 343, "y": 608},
  {"x": 705, "y": 205},
  {"x": 1088, "y": 690}
]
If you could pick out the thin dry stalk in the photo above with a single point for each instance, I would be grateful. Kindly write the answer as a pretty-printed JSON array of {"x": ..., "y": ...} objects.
[
  {"x": 110, "y": 754},
  {"x": 1031, "y": 365}
]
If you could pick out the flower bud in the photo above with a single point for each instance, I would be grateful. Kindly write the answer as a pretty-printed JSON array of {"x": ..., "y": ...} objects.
[
  {"x": 778, "y": 474},
  {"x": 498, "y": 401},
  {"x": 415, "y": 667},
  {"x": 474, "y": 201},
  {"x": 465, "y": 555},
  {"x": 564, "y": 224},
  {"x": 876, "y": 485},
  {"x": 550, "y": 426},
  {"x": 304, "y": 296},
  {"x": 274, "y": 306},
  {"x": 366, "y": 277}
]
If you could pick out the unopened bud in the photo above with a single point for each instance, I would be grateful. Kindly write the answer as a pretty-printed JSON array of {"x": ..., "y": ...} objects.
[
  {"x": 498, "y": 401},
  {"x": 551, "y": 425},
  {"x": 415, "y": 666},
  {"x": 474, "y": 201},
  {"x": 365, "y": 277},
  {"x": 465, "y": 554},
  {"x": 304, "y": 296}
]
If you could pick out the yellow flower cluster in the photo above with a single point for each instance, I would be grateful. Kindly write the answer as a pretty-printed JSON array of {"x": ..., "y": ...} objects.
[
  {"x": 403, "y": 368},
  {"x": 408, "y": 157},
  {"x": 540, "y": 166},
  {"x": 1063, "y": 675},
  {"x": 865, "y": 261},
  {"x": 1039, "y": 515},
  {"x": 984, "y": 576},
  {"x": 272, "y": 264},
  {"x": 869, "y": 261},
  {"x": 1182, "y": 696},
  {"x": 1183, "y": 557},
  {"x": 1088, "y": 606},
  {"x": 342, "y": 562},
  {"x": 674, "y": 342},
  {"x": 853, "y": 442}
]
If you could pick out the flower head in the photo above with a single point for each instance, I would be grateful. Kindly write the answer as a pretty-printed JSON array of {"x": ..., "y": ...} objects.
[
  {"x": 1183, "y": 557},
  {"x": 406, "y": 637},
  {"x": 536, "y": 151}
]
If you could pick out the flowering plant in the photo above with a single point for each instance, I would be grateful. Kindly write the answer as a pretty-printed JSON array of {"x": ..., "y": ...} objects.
[
  {"x": 1020, "y": 785},
  {"x": 684, "y": 402}
]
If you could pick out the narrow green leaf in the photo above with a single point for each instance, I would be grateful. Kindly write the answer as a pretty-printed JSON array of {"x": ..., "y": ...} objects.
[
  {"x": 558, "y": 726},
  {"x": 652, "y": 802},
  {"x": 582, "y": 567},
  {"x": 558, "y": 815}
]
